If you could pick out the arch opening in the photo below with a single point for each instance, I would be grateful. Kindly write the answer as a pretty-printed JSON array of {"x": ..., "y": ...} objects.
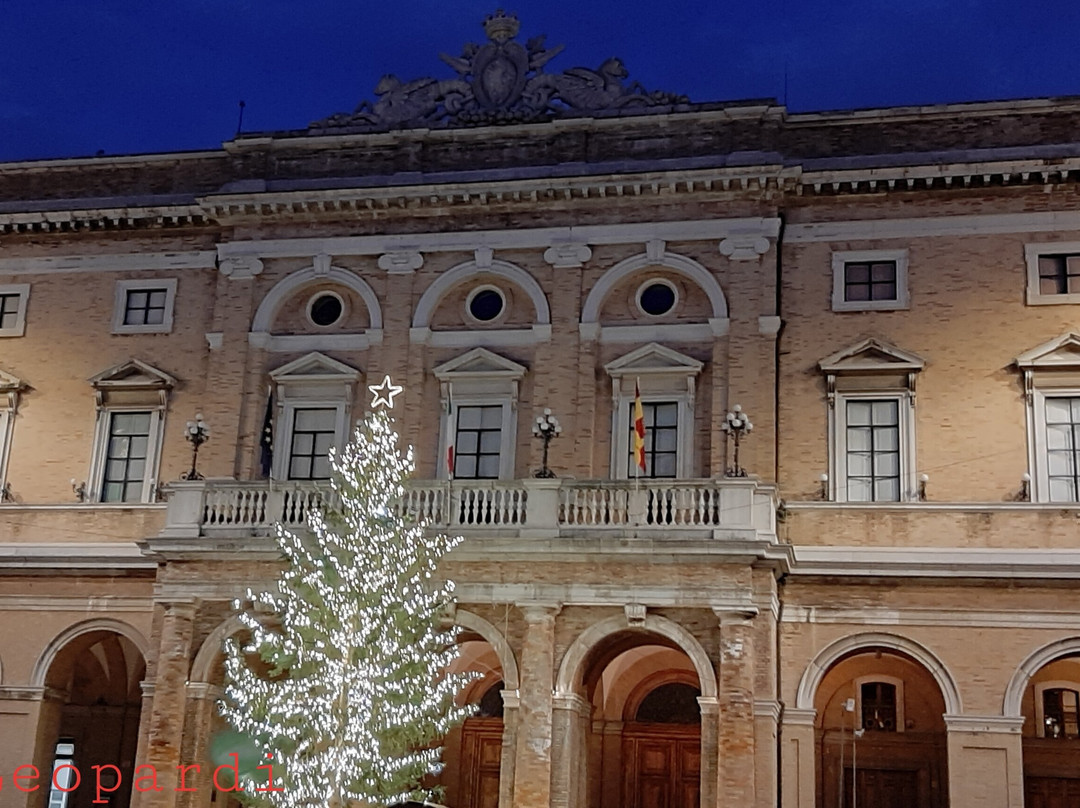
[
  {"x": 881, "y": 734},
  {"x": 95, "y": 722}
]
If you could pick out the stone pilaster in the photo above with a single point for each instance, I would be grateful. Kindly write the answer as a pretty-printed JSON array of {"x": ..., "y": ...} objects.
[
  {"x": 168, "y": 707},
  {"x": 203, "y": 698},
  {"x": 533, "y": 754},
  {"x": 986, "y": 768},
  {"x": 511, "y": 704},
  {"x": 570, "y": 728},
  {"x": 710, "y": 749},
  {"x": 797, "y": 758},
  {"x": 736, "y": 780}
]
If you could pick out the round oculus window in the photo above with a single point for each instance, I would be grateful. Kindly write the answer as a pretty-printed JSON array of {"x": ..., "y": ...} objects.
[
  {"x": 325, "y": 309},
  {"x": 656, "y": 298},
  {"x": 486, "y": 303}
]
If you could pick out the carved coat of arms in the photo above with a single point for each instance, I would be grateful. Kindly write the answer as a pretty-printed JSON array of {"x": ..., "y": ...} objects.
[{"x": 501, "y": 81}]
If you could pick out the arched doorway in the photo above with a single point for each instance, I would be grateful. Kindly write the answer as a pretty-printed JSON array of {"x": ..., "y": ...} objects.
[
  {"x": 1051, "y": 734},
  {"x": 881, "y": 736},
  {"x": 643, "y": 743},
  {"x": 473, "y": 752},
  {"x": 97, "y": 675}
]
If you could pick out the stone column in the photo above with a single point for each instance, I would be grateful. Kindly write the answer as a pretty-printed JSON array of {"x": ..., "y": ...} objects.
[
  {"x": 142, "y": 748},
  {"x": 39, "y": 712},
  {"x": 797, "y": 758},
  {"x": 511, "y": 702},
  {"x": 533, "y": 754},
  {"x": 736, "y": 768},
  {"x": 166, "y": 729},
  {"x": 986, "y": 768},
  {"x": 710, "y": 751}
]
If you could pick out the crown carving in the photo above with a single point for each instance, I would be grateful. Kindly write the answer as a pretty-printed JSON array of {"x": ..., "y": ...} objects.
[{"x": 501, "y": 27}]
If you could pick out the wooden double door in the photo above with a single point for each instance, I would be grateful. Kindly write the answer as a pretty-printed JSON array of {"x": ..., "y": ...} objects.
[
  {"x": 481, "y": 757},
  {"x": 1051, "y": 792},
  {"x": 661, "y": 766}
]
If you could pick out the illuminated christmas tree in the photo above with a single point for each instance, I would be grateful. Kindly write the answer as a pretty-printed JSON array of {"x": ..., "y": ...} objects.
[{"x": 356, "y": 698}]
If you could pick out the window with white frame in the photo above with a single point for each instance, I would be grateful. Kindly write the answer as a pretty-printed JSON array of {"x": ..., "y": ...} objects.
[
  {"x": 666, "y": 380},
  {"x": 870, "y": 280},
  {"x": 871, "y": 422},
  {"x": 1057, "y": 710},
  {"x": 1053, "y": 273},
  {"x": 1051, "y": 374},
  {"x": 13, "y": 301},
  {"x": 479, "y": 426},
  {"x": 314, "y": 398},
  {"x": 132, "y": 399},
  {"x": 880, "y": 703},
  {"x": 10, "y": 390},
  {"x": 661, "y": 448},
  {"x": 144, "y": 306}
]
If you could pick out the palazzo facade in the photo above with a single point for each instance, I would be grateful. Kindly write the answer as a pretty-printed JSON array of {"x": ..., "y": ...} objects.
[{"x": 882, "y": 611}]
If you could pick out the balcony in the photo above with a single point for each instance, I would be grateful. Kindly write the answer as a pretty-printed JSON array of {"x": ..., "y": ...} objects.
[{"x": 731, "y": 509}]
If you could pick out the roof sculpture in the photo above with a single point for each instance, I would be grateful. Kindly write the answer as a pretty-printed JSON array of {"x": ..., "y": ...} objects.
[{"x": 501, "y": 82}]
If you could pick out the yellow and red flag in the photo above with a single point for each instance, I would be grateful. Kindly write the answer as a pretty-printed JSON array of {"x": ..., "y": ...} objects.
[{"x": 639, "y": 429}]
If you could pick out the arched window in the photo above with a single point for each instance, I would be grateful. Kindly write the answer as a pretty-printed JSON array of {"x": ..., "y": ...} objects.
[
  {"x": 491, "y": 703},
  {"x": 674, "y": 703}
]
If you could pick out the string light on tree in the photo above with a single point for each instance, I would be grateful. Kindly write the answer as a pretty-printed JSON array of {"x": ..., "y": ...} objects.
[{"x": 356, "y": 699}]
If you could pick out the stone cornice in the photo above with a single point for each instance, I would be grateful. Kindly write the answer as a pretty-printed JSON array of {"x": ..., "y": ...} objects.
[{"x": 936, "y": 562}]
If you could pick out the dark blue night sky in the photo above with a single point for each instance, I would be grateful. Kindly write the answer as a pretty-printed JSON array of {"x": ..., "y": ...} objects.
[{"x": 124, "y": 76}]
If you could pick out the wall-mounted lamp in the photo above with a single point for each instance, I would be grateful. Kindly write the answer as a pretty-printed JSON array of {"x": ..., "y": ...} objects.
[
  {"x": 79, "y": 490},
  {"x": 1025, "y": 488},
  {"x": 824, "y": 486},
  {"x": 923, "y": 480}
]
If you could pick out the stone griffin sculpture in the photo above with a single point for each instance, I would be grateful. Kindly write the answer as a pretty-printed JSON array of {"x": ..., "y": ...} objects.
[{"x": 501, "y": 81}]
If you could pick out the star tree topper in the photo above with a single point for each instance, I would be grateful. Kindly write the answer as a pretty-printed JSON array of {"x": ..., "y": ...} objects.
[{"x": 384, "y": 393}]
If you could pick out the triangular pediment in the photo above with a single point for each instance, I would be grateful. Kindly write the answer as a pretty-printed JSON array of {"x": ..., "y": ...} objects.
[
  {"x": 1060, "y": 352},
  {"x": 871, "y": 356},
  {"x": 315, "y": 366},
  {"x": 653, "y": 358},
  {"x": 479, "y": 363},
  {"x": 9, "y": 383},
  {"x": 133, "y": 375}
]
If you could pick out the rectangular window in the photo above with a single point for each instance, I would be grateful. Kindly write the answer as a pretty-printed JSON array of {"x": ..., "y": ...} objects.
[
  {"x": 869, "y": 280},
  {"x": 145, "y": 306},
  {"x": 873, "y": 450},
  {"x": 1061, "y": 713},
  {"x": 1062, "y": 445},
  {"x": 661, "y": 440},
  {"x": 478, "y": 442},
  {"x": 13, "y": 297},
  {"x": 314, "y": 431},
  {"x": 1059, "y": 274},
  {"x": 878, "y": 706},
  {"x": 125, "y": 457},
  {"x": 9, "y": 310}
]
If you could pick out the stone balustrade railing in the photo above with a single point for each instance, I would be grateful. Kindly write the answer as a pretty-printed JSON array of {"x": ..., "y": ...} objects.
[{"x": 229, "y": 508}]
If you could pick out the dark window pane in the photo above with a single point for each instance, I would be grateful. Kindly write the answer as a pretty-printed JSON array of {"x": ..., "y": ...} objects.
[
  {"x": 314, "y": 430},
  {"x": 485, "y": 305},
  {"x": 657, "y": 299},
  {"x": 326, "y": 310}
]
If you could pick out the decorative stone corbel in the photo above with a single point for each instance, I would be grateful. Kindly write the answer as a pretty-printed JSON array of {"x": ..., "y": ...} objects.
[
  {"x": 655, "y": 248},
  {"x": 401, "y": 262},
  {"x": 321, "y": 264},
  {"x": 744, "y": 246},
  {"x": 214, "y": 340},
  {"x": 483, "y": 257},
  {"x": 240, "y": 267},
  {"x": 567, "y": 256},
  {"x": 635, "y": 614}
]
